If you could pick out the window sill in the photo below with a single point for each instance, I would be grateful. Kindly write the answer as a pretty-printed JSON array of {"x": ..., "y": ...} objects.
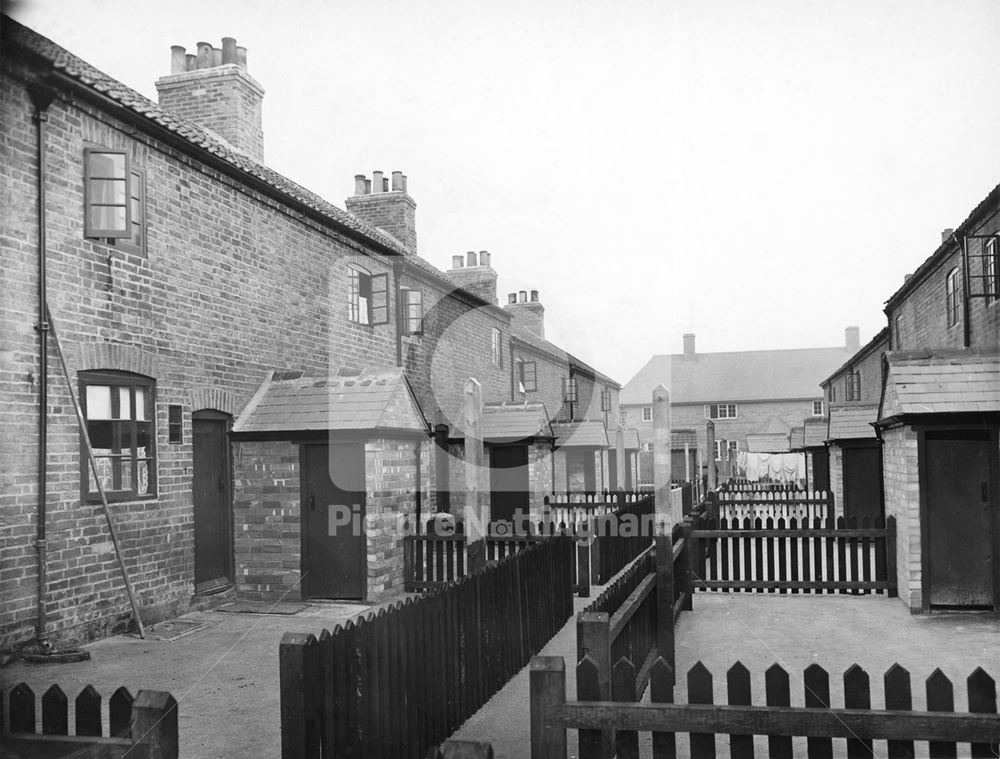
[{"x": 95, "y": 500}]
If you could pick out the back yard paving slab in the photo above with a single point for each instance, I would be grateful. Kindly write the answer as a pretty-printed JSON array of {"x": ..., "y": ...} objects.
[{"x": 224, "y": 676}]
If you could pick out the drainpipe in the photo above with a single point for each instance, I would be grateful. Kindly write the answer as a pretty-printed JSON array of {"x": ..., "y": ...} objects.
[
  {"x": 397, "y": 268},
  {"x": 41, "y": 97}
]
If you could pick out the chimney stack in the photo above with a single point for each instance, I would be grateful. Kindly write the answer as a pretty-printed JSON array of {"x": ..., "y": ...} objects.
[
  {"x": 946, "y": 234},
  {"x": 474, "y": 274},
  {"x": 852, "y": 339},
  {"x": 385, "y": 204},
  {"x": 689, "y": 354},
  {"x": 213, "y": 89},
  {"x": 527, "y": 312}
]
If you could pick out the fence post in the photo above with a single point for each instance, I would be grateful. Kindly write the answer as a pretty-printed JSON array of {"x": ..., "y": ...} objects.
[
  {"x": 593, "y": 634},
  {"x": 687, "y": 588},
  {"x": 154, "y": 722},
  {"x": 547, "y": 684},
  {"x": 665, "y": 598},
  {"x": 890, "y": 558},
  {"x": 595, "y": 551},
  {"x": 298, "y": 661},
  {"x": 583, "y": 568}
]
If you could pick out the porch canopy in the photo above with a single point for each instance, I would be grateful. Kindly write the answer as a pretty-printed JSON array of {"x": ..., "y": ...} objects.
[
  {"x": 370, "y": 403},
  {"x": 815, "y": 433},
  {"x": 852, "y": 421},
  {"x": 797, "y": 440},
  {"x": 942, "y": 382},
  {"x": 515, "y": 423},
  {"x": 580, "y": 435},
  {"x": 679, "y": 437}
]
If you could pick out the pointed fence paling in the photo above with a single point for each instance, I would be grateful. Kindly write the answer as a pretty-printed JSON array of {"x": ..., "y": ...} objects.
[{"x": 896, "y": 730}]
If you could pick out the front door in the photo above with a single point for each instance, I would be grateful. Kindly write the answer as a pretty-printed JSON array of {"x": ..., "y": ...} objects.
[
  {"x": 863, "y": 482},
  {"x": 508, "y": 481},
  {"x": 333, "y": 511},
  {"x": 211, "y": 490},
  {"x": 821, "y": 469},
  {"x": 956, "y": 481}
]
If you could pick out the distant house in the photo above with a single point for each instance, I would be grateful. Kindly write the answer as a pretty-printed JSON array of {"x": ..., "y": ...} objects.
[
  {"x": 938, "y": 417},
  {"x": 753, "y": 397}
]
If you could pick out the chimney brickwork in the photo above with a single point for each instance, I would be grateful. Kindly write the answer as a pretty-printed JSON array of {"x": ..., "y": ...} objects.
[
  {"x": 213, "y": 89},
  {"x": 527, "y": 311},
  {"x": 689, "y": 354},
  {"x": 852, "y": 339},
  {"x": 385, "y": 204},
  {"x": 474, "y": 273}
]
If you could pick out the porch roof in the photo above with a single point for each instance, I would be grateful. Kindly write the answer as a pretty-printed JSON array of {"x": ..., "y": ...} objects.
[
  {"x": 767, "y": 442},
  {"x": 515, "y": 422},
  {"x": 797, "y": 441},
  {"x": 580, "y": 435},
  {"x": 373, "y": 400},
  {"x": 852, "y": 421},
  {"x": 679, "y": 437},
  {"x": 632, "y": 442},
  {"x": 815, "y": 432},
  {"x": 944, "y": 382}
]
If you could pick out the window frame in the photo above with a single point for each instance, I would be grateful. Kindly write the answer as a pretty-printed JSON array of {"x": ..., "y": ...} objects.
[
  {"x": 647, "y": 413},
  {"x": 137, "y": 178},
  {"x": 991, "y": 266},
  {"x": 952, "y": 304},
  {"x": 714, "y": 412},
  {"x": 897, "y": 332},
  {"x": 814, "y": 411},
  {"x": 102, "y": 378},
  {"x": 362, "y": 283},
  {"x": 532, "y": 385},
  {"x": 852, "y": 386},
  {"x": 89, "y": 230},
  {"x": 496, "y": 347},
  {"x": 412, "y": 324}
]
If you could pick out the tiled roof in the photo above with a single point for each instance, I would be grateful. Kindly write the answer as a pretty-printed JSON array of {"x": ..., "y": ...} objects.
[
  {"x": 767, "y": 442},
  {"x": 632, "y": 442},
  {"x": 954, "y": 381},
  {"x": 373, "y": 400},
  {"x": 679, "y": 437},
  {"x": 736, "y": 376},
  {"x": 797, "y": 440},
  {"x": 880, "y": 342},
  {"x": 580, "y": 435},
  {"x": 852, "y": 421},
  {"x": 514, "y": 422},
  {"x": 519, "y": 332},
  {"x": 816, "y": 432}
]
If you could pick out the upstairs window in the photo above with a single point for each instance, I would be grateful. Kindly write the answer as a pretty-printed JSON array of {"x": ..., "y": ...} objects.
[
  {"x": 647, "y": 413},
  {"x": 368, "y": 298},
  {"x": 952, "y": 304},
  {"x": 496, "y": 348},
  {"x": 853, "y": 387},
  {"x": 118, "y": 409},
  {"x": 413, "y": 311},
  {"x": 114, "y": 197},
  {"x": 606, "y": 400},
  {"x": 720, "y": 411},
  {"x": 528, "y": 376},
  {"x": 897, "y": 332},
  {"x": 991, "y": 265},
  {"x": 833, "y": 393},
  {"x": 817, "y": 408}
]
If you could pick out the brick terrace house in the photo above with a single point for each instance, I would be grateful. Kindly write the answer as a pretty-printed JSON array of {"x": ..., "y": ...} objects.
[
  {"x": 754, "y": 397},
  {"x": 855, "y": 456},
  {"x": 939, "y": 419},
  {"x": 252, "y": 362}
]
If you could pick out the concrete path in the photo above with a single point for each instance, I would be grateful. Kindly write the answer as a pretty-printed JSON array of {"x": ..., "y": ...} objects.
[{"x": 224, "y": 677}]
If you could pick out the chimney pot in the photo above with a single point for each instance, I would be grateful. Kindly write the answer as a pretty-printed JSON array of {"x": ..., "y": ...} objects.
[
  {"x": 178, "y": 59},
  {"x": 534, "y": 296},
  {"x": 907, "y": 278},
  {"x": 368, "y": 187},
  {"x": 190, "y": 62},
  {"x": 377, "y": 181},
  {"x": 204, "y": 55},
  {"x": 852, "y": 339},
  {"x": 512, "y": 297},
  {"x": 946, "y": 234},
  {"x": 229, "y": 50},
  {"x": 359, "y": 184},
  {"x": 471, "y": 258},
  {"x": 457, "y": 262},
  {"x": 216, "y": 56},
  {"x": 241, "y": 57},
  {"x": 385, "y": 184},
  {"x": 404, "y": 182},
  {"x": 484, "y": 258},
  {"x": 689, "y": 351},
  {"x": 522, "y": 296},
  {"x": 397, "y": 181}
]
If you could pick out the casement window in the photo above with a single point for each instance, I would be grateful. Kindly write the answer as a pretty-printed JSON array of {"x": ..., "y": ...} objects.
[
  {"x": 952, "y": 305},
  {"x": 114, "y": 199},
  {"x": 852, "y": 387},
  {"x": 731, "y": 447},
  {"x": 527, "y": 376},
  {"x": 368, "y": 298},
  {"x": 569, "y": 389},
  {"x": 175, "y": 424},
  {"x": 991, "y": 266},
  {"x": 817, "y": 408},
  {"x": 413, "y": 311},
  {"x": 605, "y": 400},
  {"x": 833, "y": 393},
  {"x": 119, "y": 411},
  {"x": 897, "y": 332},
  {"x": 647, "y": 413},
  {"x": 720, "y": 411},
  {"x": 496, "y": 347}
]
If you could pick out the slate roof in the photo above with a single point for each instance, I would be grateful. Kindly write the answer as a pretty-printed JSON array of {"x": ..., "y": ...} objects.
[
  {"x": 373, "y": 400},
  {"x": 735, "y": 376},
  {"x": 580, "y": 435},
  {"x": 514, "y": 422},
  {"x": 202, "y": 139},
  {"x": 523, "y": 334},
  {"x": 767, "y": 442},
  {"x": 879, "y": 342},
  {"x": 944, "y": 382},
  {"x": 797, "y": 439},
  {"x": 679, "y": 437},
  {"x": 852, "y": 421},
  {"x": 816, "y": 432},
  {"x": 632, "y": 442}
]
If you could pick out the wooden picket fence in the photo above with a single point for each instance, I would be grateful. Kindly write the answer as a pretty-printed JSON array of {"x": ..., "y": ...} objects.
[
  {"x": 824, "y": 556},
  {"x": 797, "y": 504},
  {"x": 395, "y": 683},
  {"x": 939, "y": 731},
  {"x": 742, "y": 484},
  {"x": 141, "y": 727}
]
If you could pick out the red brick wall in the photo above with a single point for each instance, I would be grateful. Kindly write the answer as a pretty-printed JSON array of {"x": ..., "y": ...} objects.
[{"x": 870, "y": 368}]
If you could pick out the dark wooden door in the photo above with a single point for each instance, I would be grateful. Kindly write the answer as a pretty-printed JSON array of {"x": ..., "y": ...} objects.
[
  {"x": 508, "y": 481},
  {"x": 821, "y": 469},
  {"x": 956, "y": 482},
  {"x": 333, "y": 511},
  {"x": 212, "y": 489},
  {"x": 863, "y": 482}
]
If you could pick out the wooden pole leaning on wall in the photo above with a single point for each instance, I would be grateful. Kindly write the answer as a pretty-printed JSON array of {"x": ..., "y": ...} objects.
[
  {"x": 661, "y": 457},
  {"x": 476, "y": 514},
  {"x": 710, "y": 455},
  {"x": 100, "y": 487}
]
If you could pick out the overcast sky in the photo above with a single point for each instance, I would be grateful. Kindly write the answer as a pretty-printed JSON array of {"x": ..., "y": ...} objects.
[{"x": 762, "y": 174}]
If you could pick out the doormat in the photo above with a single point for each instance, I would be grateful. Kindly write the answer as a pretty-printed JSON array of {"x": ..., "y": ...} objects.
[
  {"x": 172, "y": 629},
  {"x": 262, "y": 607}
]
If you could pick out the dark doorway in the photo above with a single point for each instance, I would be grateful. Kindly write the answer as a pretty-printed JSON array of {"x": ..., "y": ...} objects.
[
  {"x": 820, "y": 469},
  {"x": 212, "y": 497},
  {"x": 613, "y": 469},
  {"x": 955, "y": 481},
  {"x": 863, "y": 481},
  {"x": 333, "y": 510},
  {"x": 508, "y": 481}
]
